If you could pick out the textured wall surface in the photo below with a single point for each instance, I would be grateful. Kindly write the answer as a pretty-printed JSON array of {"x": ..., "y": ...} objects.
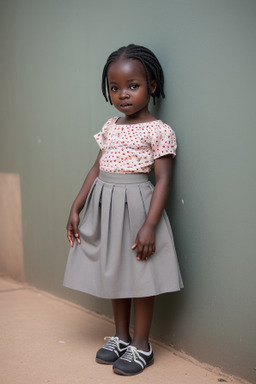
[{"x": 52, "y": 54}]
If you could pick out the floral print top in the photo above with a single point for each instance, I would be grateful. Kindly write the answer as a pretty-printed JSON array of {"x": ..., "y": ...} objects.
[{"x": 132, "y": 148}]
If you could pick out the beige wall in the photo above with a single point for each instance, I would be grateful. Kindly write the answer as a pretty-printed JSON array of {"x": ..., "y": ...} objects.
[{"x": 11, "y": 245}]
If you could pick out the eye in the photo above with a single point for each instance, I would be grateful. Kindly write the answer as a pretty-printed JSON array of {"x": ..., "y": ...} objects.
[
  {"x": 134, "y": 86},
  {"x": 114, "y": 88}
]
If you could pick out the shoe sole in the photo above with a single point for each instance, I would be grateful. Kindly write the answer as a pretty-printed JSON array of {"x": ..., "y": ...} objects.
[
  {"x": 99, "y": 361},
  {"x": 120, "y": 372},
  {"x": 107, "y": 362}
]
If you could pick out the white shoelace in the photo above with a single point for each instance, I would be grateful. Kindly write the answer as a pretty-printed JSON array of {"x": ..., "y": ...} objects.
[
  {"x": 112, "y": 344},
  {"x": 132, "y": 354}
]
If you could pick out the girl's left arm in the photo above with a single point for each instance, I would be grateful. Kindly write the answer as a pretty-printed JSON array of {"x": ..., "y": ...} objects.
[{"x": 145, "y": 241}]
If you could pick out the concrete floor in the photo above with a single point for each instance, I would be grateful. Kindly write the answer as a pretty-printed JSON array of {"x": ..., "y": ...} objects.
[{"x": 44, "y": 339}]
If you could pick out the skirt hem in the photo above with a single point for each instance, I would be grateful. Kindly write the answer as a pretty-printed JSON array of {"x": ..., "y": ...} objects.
[{"x": 132, "y": 295}]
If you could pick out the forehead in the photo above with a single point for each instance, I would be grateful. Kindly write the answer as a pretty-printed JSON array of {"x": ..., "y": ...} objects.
[{"x": 127, "y": 68}]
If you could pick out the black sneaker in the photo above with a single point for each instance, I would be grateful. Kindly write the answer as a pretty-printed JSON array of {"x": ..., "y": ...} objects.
[
  {"x": 133, "y": 361},
  {"x": 111, "y": 351}
]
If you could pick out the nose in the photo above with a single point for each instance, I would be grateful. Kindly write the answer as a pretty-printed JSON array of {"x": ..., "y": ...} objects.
[{"x": 124, "y": 94}]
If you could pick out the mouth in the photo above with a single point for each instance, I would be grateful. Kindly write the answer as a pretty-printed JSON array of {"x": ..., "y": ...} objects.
[{"x": 125, "y": 105}]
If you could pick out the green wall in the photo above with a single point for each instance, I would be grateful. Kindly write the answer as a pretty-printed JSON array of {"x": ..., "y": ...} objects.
[{"x": 52, "y": 53}]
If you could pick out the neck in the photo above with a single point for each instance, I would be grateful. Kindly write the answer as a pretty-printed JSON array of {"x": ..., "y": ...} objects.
[{"x": 142, "y": 118}]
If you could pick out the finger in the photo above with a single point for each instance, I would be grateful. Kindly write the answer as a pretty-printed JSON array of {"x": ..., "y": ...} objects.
[
  {"x": 135, "y": 244},
  {"x": 77, "y": 238},
  {"x": 145, "y": 253},
  {"x": 150, "y": 252},
  {"x": 139, "y": 252},
  {"x": 71, "y": 242},
  {"x": 70, "y": 237}
]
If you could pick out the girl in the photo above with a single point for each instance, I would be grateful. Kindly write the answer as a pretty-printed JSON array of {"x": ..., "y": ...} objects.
[{"x": 124, "y": 247}]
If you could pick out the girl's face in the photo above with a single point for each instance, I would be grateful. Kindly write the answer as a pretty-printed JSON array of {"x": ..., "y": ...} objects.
[{"x": 128, "y": 87}]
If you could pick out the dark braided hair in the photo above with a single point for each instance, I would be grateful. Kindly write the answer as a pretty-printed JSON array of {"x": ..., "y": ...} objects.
[{"x": 149, "y": 61}]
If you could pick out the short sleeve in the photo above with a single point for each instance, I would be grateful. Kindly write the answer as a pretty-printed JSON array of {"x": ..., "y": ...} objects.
[
  {"x": 101, "y": 136},
  {"x": 163, "y": 141}
]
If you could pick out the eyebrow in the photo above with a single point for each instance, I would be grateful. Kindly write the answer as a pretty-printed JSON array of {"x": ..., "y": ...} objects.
[{"x": 128, "y": 81}]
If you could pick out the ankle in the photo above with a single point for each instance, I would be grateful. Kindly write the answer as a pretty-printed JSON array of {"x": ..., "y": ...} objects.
[
  {"x": 142, "y": 345},
  {"x": 124, "y": 337}
]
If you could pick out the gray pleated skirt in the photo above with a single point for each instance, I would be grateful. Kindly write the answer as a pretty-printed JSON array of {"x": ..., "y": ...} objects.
[{"x": 104, "y": 264}]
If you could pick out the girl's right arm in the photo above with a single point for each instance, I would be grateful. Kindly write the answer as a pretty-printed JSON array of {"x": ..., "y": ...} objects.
[{"x": 77, "y": 206}]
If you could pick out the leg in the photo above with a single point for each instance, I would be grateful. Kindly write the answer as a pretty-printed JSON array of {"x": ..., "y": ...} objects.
[
  {"x": 134, "y": 360},
  {"x": 143, "y": 312},
  {"x": 114, "y": 347},
  {"x": 121, "y": 310}
]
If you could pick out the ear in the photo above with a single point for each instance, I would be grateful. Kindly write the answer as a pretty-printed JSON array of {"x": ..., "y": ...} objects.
[{"x": 153, "y": 86}]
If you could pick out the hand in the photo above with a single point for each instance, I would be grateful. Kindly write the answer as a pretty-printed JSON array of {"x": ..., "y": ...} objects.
[
  {"x": 145, "y": 242},
  {"x": 72, "y": 228}
]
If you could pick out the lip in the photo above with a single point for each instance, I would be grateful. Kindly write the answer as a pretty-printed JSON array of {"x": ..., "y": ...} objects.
[{"x": 125, "y": 106}]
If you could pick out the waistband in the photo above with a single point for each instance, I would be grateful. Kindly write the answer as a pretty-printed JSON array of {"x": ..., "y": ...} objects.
[{"x": 123, "y": 178}]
